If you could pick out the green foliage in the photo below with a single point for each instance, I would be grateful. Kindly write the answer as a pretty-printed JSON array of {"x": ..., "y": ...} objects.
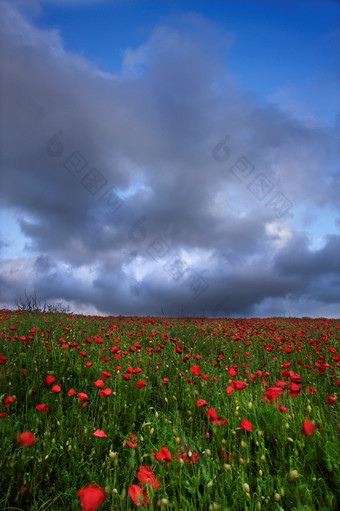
[{"x": 214, "y": 466}]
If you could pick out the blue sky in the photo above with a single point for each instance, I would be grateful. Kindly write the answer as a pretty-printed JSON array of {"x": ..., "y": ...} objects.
[
  {"x": 289, "y": 45},
  {"x": 144, "y": 92}
]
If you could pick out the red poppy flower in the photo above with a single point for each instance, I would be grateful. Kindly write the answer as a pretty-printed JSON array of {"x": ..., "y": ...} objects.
[
  {"x": 196, "y": 370},
  {"x": 139, "y": 496},
  {"x": 2, "y": 360},
  {"x": 126, "y": 377},
  {"x": 105, "y": 393},
  {"x": 246, "y": 425},
  {"x": 311, "y": 390},
  {"x": 165, "y": 380},
  {"x": 56, "y": 389},
  {"x": 145, "y": 476},
  {"x": 99, "y": 384},
  {"x": 26, "y": 439},
  {"x": 308, "y": 427},
  {"x": 106, "y": 375},
  {"x": 294, "y": 389},
  {"x": 273, "y": 393},
  {"x": 71, "y": 392},
  {"x": 201, "y": 403},
  {"x": 191, "y": 459},
  {"x": 50, "y": 379},
  {"x": 280, "y": 383},
  {"x": 331, "y": 400},
  {"x": 164, "y": 454},
  {"x": 89, "y": 364},
  {"x": 3, "y": 415},
  {"x": 100, "y": 434},
  {"x": 83, "y": 397},
  {"x": 230, "y": 390},
  {"x": 283, "y": 409},
  {"x": 8, "y": 401},
  {"x": 212, "y": 414},
  {"x": 214, "y": 418},
  {"x": 239, "y": 385},
  {"x": 141, "y": 384},
  {"x": 232, "y": 372},
  {"x": 42, "y": 408},
  {"x": 91, "y": 497},
  {"x": 132, "y": 445}
]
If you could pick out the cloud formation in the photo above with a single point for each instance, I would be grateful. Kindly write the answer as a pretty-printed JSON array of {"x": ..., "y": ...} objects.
[{"x": 163, "y": 187}]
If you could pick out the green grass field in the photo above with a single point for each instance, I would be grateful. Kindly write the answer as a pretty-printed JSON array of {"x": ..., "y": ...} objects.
[{"x": 227, "y": 414}]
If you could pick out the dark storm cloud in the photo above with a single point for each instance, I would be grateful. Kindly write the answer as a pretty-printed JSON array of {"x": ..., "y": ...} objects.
[
  {"x": 309, "y": 264},
  {"x": 115, "y": 178}
]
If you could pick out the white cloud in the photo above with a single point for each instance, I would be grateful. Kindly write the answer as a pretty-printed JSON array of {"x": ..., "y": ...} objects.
[{"x": 280, "y": 232}]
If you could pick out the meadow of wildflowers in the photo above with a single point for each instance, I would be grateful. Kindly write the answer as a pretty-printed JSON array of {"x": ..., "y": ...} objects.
[{"x": 120, "y": 413}]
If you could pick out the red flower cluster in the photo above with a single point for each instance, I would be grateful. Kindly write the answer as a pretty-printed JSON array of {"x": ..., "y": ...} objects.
[
  {"x": 83, "y": 397},
  {"x": 133, "y": 444},
  {"x": 163, "y": 455},
  {"x": 146, "y": 478},
  {"x": 189, "y": 456},
  {"x": 214, "y": 418}
]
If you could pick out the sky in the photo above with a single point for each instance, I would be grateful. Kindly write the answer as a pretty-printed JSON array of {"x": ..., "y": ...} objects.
[{"x": 171, "y": 158}]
